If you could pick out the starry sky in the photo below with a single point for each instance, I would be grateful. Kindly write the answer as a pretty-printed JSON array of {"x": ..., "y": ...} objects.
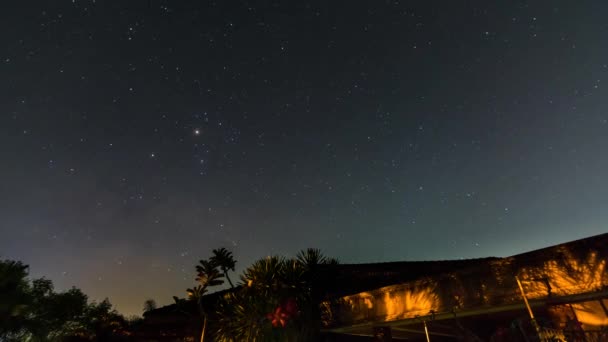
[{"x": 135, "y": 136}]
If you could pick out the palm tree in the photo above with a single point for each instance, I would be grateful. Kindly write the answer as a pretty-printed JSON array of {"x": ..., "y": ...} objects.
[
  {"x": 225, "y": 261},
  {"x": 242, "y": 317},
  {"x": 312, "y": 260},
  {"x": 265, "y": 275},
  {"x": 279, "y": 299},
  {"x": 243, "y": 314},
  {"x": 207, "y": 275},
  {"x": 312, "y": 257}
]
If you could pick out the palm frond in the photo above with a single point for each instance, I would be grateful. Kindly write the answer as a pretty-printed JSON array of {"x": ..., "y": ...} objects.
[
  {"x": 208, "y": 274},
  {"x": 224, "y": 259}
]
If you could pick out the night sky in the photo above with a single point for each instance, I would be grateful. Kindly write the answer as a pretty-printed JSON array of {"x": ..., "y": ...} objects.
[{"x": 135, "y": 136}]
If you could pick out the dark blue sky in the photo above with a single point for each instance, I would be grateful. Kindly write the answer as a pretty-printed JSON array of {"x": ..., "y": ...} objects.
[{"x": 137, "y": 136}]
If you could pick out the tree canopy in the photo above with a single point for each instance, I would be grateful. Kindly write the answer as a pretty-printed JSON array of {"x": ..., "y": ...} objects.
[
  {"x": 33, "y": 310},
  {"x": 274, "y": 301}
]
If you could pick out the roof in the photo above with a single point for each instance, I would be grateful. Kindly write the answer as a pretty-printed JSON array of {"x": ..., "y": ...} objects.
[
  {"x": 345, "y": 279},
  {"x": 186, "y": 307},
  {"x": 564, "y": 273},
  {"x": 578, "y": 247}
]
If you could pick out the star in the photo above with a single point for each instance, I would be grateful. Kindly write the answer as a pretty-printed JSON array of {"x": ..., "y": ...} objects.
[{"x": 295, "y": 154}]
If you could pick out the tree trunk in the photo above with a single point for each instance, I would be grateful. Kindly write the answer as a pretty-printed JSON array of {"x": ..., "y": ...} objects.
[
  {"x": 204, "y": 328},
  {"x": 229, "y": 281}
]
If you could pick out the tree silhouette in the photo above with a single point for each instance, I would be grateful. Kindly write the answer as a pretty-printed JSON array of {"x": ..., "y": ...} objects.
[
  {"x": 14, "y": 297},
  {"x": 105, "y": 321},
  {"x": 207, "y": 275},
  {"x": 311, "y": 260},
  {"x": 277, "y": 301},
  {"x": 149, "y": 305},
  {"x": 224, "y": 259},
  {"x": 242, "y": 314},
  {"x": 33, "y": 311}
]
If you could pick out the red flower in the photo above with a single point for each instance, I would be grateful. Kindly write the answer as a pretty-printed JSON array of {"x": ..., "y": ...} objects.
[
  {"x": 278, "y": 317},
  {"x": 283, "y": 313}
]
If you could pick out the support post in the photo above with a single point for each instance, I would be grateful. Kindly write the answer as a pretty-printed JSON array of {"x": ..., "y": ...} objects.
[
  {"x": 426, "y": 332},
  {"x": 523, "y": 294}
]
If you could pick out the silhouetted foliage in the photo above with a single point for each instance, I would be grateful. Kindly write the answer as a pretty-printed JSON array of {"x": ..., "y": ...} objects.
[
  {"x": 149, "y": 305},
  {"x": 224, "y": 259},
  {"x": 207, "y": 276},
  {"x": 33, "y": 311},
  {"x": 275, "y": 301},
  {"x": 14, "y": 297}
]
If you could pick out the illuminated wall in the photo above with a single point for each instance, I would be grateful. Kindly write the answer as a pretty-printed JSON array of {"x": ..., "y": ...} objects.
[
  {"x": 392, "y": 302},
  {"x": 554, "y": 272}
]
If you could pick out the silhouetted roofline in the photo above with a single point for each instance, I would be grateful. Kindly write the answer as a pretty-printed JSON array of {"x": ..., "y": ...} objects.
[
  {"x": 346, "y": 279},
  {"x": 599, "y": 240}
]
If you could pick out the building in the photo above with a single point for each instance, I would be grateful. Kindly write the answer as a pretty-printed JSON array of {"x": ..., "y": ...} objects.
[
  {"x": 480, "y": 299},
  {"x": 566, "y": 287}
]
